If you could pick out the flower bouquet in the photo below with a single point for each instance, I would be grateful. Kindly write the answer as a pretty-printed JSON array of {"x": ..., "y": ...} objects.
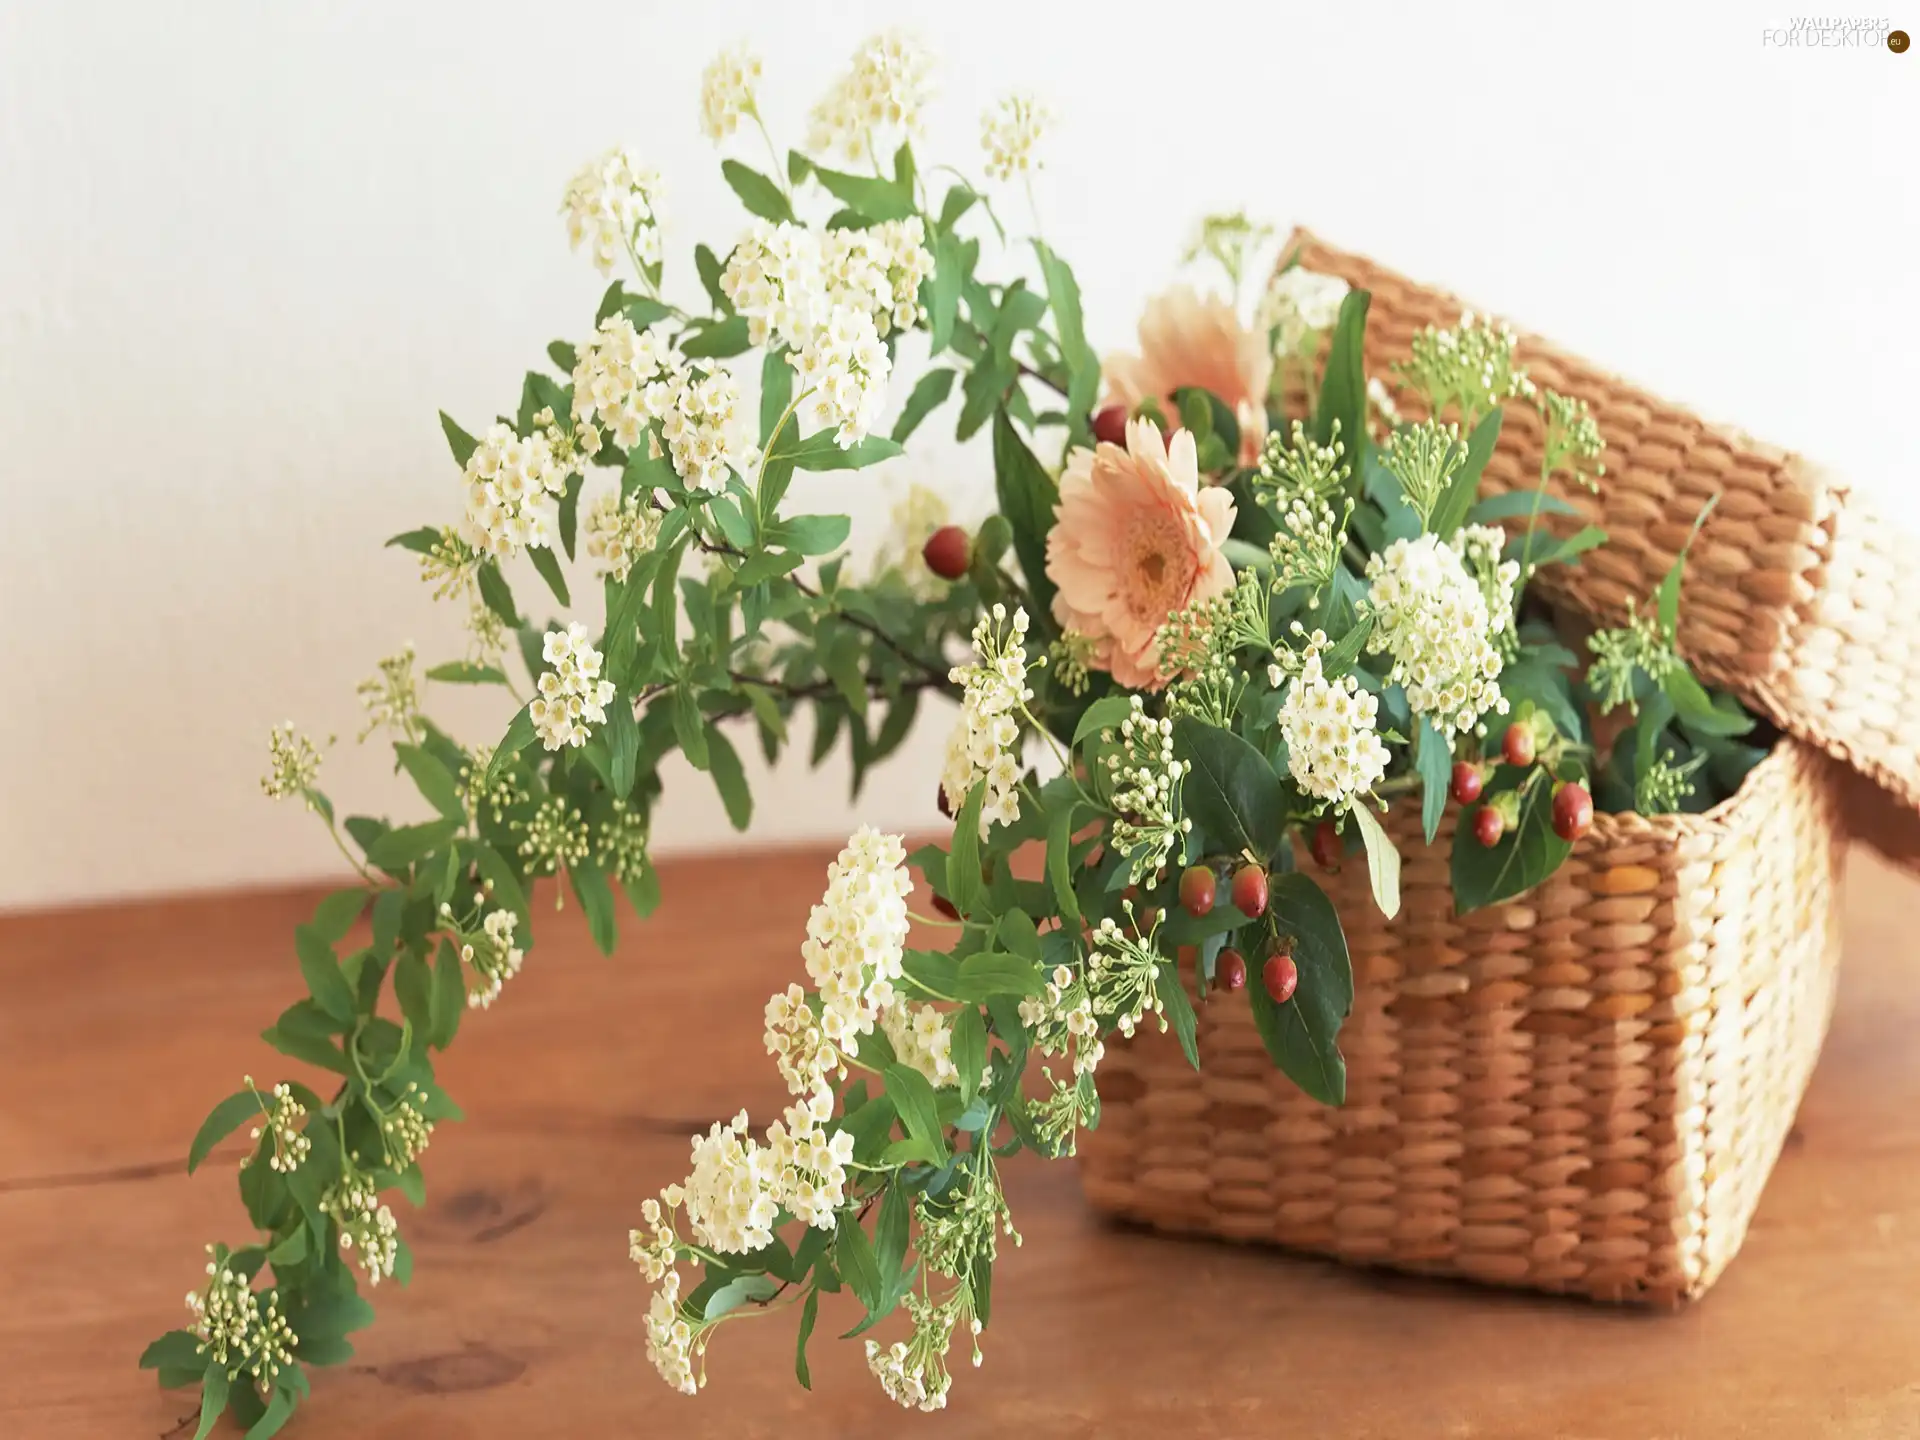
[{"x": 1240, "y": 599}]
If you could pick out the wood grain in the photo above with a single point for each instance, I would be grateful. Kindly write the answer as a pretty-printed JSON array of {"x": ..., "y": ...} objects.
[{"x": 120, "y": 1026}]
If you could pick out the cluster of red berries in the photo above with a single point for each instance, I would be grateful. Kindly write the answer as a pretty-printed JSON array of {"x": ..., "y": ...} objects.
[
  {"x": 1572, "y": 805},
  {"x": 1199, "y": 889}
]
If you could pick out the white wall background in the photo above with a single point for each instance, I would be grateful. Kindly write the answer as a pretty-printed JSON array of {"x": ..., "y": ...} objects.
[{"x": 246, "y": 250}]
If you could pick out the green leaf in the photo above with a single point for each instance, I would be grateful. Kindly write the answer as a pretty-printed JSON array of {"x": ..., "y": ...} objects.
[
  {"x": 1083, "y": 366},
  {"x": 1302, "y": 1035},
  {"x": 969, "y": 1048},
  {"x": 776, "y": 391},
  {"x": 279, "y": 1410},
  {"x": 707, "y": 265},
  {"x": 1343, "y": 388},
  {"x": 175, "y": 1350},
  {"x": 1516, "y": 504},
  {"x": 1106, "y": 713},
  {"x": 767, "y": 565},
  {"x": 399, "y": 848},
  {"x": 950, "y": 266},
  {"x": 1433, "y": 757},
  {"x": 1558, "y": 552},
  {"x": 1027, "y": 497},
  {"x": 843, "y": 662},
  {"x": 413, "y": 988},
  {"x": 718, "y": 340},
  {"x": 929, "y": 394},
  {"x": 853, "y": 1253},
  {"x": 462, "y": 444},
  {"x": 225, "y": 1118},
  {"x": 333, "y": 917},
  {"x": 289, "y": 1251},
  {"x": 449, "y": 996},
  {"x": 1231, "y": 792},
  {"x": 820, "y": 451},
  {"x": 420, "y": 542},
  {"x": 809, "y": 1312},
  {"x": 759, "y": 194},
  {"x": 1535, "y": 677},
  {"x": 435, "y": 783},
  {"x": 729, "y": 778},
  {"x": 596, "y": 899},
  {"x": 1383, "y": 861},
  {"x": 1669, "y": 593},
  {"x": 321, "y": 970},
  {"x": 464, "y": 672},
  {"x": 995, "y": 972},
  {"x": 1341, "y": 656},
  {"x": 963, "y": 860},
  {"x": 919, "y": 1112},
  {"x": 498, "y": 595},
  {"x": 519, "y": 735},
  {"x": 1060, "y": 865},
  {"x": 1451, "y": 511},
  {"x": 213, "y": 1400},
  {"x": 812, "y": 534},
  {"x": 741, "y": 1290},
  {"x": 548, "y": 566},
  {"x": 563, "y": 355},
  {"x": 623, "y": 745},
  {"x": 1526, "y": 855},
  {"x": 870, "y": 196},
  {"x": 1179, "y": 1011},
  {"x": 1696, "y": 710}
]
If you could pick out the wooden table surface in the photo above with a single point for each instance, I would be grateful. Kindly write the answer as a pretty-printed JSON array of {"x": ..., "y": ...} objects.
[{"x": 120, "y": 1026}]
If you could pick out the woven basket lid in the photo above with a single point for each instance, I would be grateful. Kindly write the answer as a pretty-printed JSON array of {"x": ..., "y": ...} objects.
[{"x": 1798, "y": 597}]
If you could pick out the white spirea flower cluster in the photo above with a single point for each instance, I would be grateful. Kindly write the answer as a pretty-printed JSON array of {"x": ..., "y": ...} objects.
[
  {"x": 367, "y": 1227},
  {"x": 234, "y": 1331},
  {"x": 729, "y": 1195},
  {"x": 512, "y": 484},
  {"x": 612, "y": 205},
  {"x": 857, "y": 934},
  {"x": 1432, "y": 618},
  {"x": 1473, "y": 367},
  {"x": 556, "y": 838},
  {"x": 921, "y": 1040},
  {"x": 1061, "y": 1018},
  {"x": 810, "y": 1166},
  {"x": 846, "y": 367},
  {"x": 492, "y": 956},
  {"x": 618, "y": 532},
  {"x": 913, "y": 1372},
  {"x": 406, "y": 1132},
  {"x": 293, "y": 763},
  {"x": 573, "y": 698},
  {"x": 391, "y": 697},
  {"x": 728, "y": 91},
  {"x": 655, "y": 1247},
  {"x": 1334, "y": 750},
  {"x": 1123, "y": 974},
  {"x": 881, "y": 95},
  {"x": 1146, "y": 791},
  {"x": 984, "y": 745},
  {"x": 281, "y": 1122},
  {"x": 1298, "y": 306},
  {"x": 703, "y": 432},
  {"x": 800, "y": 1048},
  {"x": 623, "y": 378},
  {"x": 671, "y": 1339},
  {"x": 1009, "y": 132}
]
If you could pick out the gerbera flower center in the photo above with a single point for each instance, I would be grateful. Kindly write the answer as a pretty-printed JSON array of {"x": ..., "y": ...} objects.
[{"x": 1160, "y": 559}]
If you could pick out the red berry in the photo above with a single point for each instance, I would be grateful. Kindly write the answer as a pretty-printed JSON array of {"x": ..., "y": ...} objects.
[
  {"x": 1197, "y": 888},
  {"x": 1230, "y": 970},
  {"x": 945, "y": 907},
  {"x": 1110, "y": 425},
  {"x": 948, "y": 552},
  {"x": 1488, "y": 827},
  {"x": 1518, "y": 746},
  {"x": 1281, "y": 977},
  {"x": 1250, "y": 890},
  {"x": 1326, "y": 847},
  {"x": 1468, "y": 782},
  {"x": 1572, "y": 811}
]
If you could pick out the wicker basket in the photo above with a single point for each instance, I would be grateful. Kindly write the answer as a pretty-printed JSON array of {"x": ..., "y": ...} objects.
[{"x": 1585, "y": 1089}]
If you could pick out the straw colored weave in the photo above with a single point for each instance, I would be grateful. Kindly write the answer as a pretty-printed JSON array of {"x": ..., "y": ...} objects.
[
  {"x": 1798, "y": 596},
  {"x": 1583, "y": 1090}
]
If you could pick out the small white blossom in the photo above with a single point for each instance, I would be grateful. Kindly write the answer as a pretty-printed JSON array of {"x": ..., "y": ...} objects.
[
  {"x": 729, "y": 1195},
  {"x": 234, "y": 1331},
  {"x": 1433, "y": 618},
  {"x": 1008, "y": 133},
  {"x": 806, "y": 1058},
  {"x": 774, "y": 279},
  {"x": 1146, "y": 791},
  {"x": 857, "y": 935},
  {"x": 492, "y": 956},
  {"x": 922, "y": 1040},
  {"x": 809, "y": 1166},
  {"x": 293, "y": 763},
  {"x": 845, "y": 367},
  {"x": 881, "y": 96},
  {"x": 1298, "y": 307},
  {"x": 984, "y": 744},
  {"x": 281, "y": 1124},
  {"x": 512, "y": 484},
  {"x": 623, "y": 379},
  {"x": 655, "y": 1247},
  {"x": 367, "y": 1227},
  {"x": 391, "y": 698},
  {"x": 406, "y": 1131},
  {"x": 618, "y": 532},
  {"x": 573, "y": 698},
  {"x": 1334, "y": 750},
  {"x": 613, "y": 205},
  {"x": 672, "y": 1341},
  {"x": 727, "y": 91},
  {"x": 702, "y": 429}
]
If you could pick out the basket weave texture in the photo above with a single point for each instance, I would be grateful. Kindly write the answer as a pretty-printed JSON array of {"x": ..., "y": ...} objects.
[
  {"x": 1583, "y": 1090},
  {"x": 1799, "y": 597}
]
